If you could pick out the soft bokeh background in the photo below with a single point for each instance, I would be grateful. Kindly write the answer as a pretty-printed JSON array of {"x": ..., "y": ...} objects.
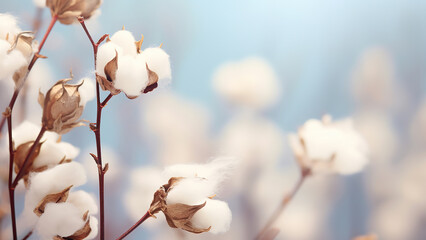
[{"x": 361, "y": 58}]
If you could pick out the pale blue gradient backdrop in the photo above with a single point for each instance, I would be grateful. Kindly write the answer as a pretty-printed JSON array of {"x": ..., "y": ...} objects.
[{"x": 312, "y": 44}]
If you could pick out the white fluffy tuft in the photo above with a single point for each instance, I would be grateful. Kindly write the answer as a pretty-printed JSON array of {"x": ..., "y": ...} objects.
[
  {"x": 126, "y": 41},
  {"x": 87, "y": 91},
  {"x": 215, "y": 214},
  {"x": 158, "y": 61}
]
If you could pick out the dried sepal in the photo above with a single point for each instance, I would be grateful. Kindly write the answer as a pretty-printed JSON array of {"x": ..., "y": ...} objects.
[
  {"x": 61, "y": 107},
  {"x": 179, "y": 216},
  {"x": 68, "y": 11},
  {"x": 152, "y": 80},
  {"x": 21, "y": 153},
  {"x": 80, "y": 234},
  {"x": 110, "y": 70},
  {"x": 59, "y": 197}
]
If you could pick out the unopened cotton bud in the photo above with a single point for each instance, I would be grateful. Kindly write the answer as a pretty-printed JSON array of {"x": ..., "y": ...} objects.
[
  {"x": 61, "y": 107},
  {"x": 68, "y": 11}
]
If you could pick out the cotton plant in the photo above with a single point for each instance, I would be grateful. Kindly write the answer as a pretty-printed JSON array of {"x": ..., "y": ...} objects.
[
  {"x": 322, "y": 147},
  {"x": 187, "y": 199}
]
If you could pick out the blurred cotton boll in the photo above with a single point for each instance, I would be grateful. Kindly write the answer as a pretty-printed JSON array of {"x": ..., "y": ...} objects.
[
  {"x": 180, "y": 127},
  {"x": 248, "y": 83},
  {"x": 326, "y": 146},
  {"x": 380, "y": 134},
  {"x": 418, "y": 128},
  {"x": 255, "y": 142},
  {"x": 373, "y": 80},
  {"x": 40, "y": 3}
]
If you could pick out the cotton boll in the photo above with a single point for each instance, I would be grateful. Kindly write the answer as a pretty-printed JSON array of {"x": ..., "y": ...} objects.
[
  {"x": 94, "y": 228},
  {"x": 61, "y": 219},
  {"x": 251, "y": 82},
  {"x": 191, "y": 191},
  {"x": 106, "y": 53},
  {"x": 8, "y": 25},
  {"x": 83, "y": 201},
  {"x": 126, "y": 41},
  {"x": 131, "y": 76},
  {"x": 53, "y": 180},
  {"x": 380, "y": 134},
  {"x": 332, "y": 146},
  {"x": 215, "y": 214},
  {"x": 158, "y": 61},
  {"x": 9, "y": 62},
  {"x": 87, "y": 90}
]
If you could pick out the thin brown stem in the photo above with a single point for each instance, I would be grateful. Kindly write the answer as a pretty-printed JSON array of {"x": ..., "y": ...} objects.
[
  {"x": 28, "y": 235},
  {"x": 305, "y": 172},
  {"x": 8, "y": 115},
  {"x": 144, "y": 217},
  {"x": 30, "y": 66},
  {"x": 97, "y": 130},
  {"x": 27, "y": 158}
]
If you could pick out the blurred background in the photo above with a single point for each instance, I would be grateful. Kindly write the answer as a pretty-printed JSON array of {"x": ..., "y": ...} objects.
[{"x": 305, "y": 58}]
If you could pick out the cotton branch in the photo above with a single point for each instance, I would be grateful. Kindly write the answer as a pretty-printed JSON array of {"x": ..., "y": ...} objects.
[{"x": 96, "y": 128}]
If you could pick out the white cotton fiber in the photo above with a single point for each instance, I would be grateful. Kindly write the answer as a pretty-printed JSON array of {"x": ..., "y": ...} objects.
[
  {"x": 8, "y": 25},
  {"x": 61, "y": 219},
  {"x": 191, "y": 191},
  {"x": 126, "y": 41},
  {"x": 52, "y": 152},
  {"x": 53, "y": 180},
  {"x": 84, "y": 201},
  {"x": 106, "y": 53},
  {"x": 215, "y": 214},
  {"x": 9, "y": 62},
  {"x": 87, "y": 90},
  {"x": 158, "y": 61},
  {"x": 94, "y": 228},
  {"x": 131, "y": 76}
]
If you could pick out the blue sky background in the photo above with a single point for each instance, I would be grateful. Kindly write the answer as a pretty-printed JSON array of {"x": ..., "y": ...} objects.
[{"x": 312, "y": 45}]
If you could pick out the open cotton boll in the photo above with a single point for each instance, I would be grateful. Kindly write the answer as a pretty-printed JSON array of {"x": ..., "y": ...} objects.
[
  {"x": 251, "y": 82},
  {"x": 191, "y": 191},
  {"x": 87, "y": 90},
  {"x": 126, "y": 41},
  {"x": 53, "y": 180},
  {"x": 215, "y": 214},
  {"x": 83, "y": 201},
  {"x": 8, "y": 25},
  {"x": 131, "y": 76},
  {"x": 158, "y": 61},
  {"x": 106, "y": 53},
  {"x": 62, "y": 219},
  {"x": 9, "y": 62},
  {"x": 332, "y": 146}
]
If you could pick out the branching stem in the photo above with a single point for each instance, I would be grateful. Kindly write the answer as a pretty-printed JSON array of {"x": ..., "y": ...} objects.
[{"x": 97, "y": 130}]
